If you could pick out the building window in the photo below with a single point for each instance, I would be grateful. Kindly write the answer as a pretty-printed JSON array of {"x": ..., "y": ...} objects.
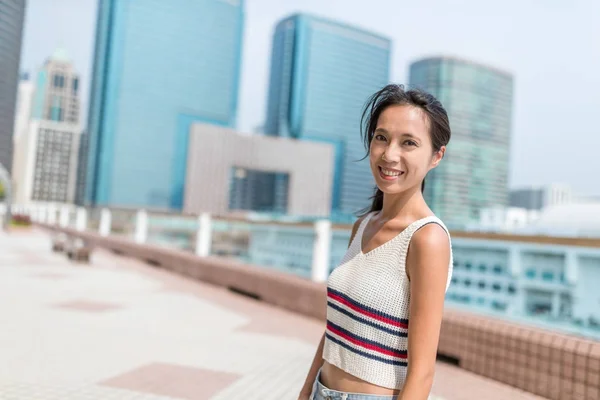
[
  {"x": 467, "y": 282},
  {"x": 454, "y": 280},
  {"x": 496, "y": 287},
  {"x": 481, "y": 285},
  {"x": 480, "y": 300},
  {"x": 498, "y": 305},
  {"x": 59, "y": 81},
  {"x": 75, "y": 85},
  {"x": 498, "y": 269},
  {"x": 530, "y": 273},
  {"x": 548, "y": 276},
  {"x": 468, "y": 266},
  {"x": 512, "y": 289},
  {"x": 482, "y": 267},
  {"x": 455, "y": 264}
]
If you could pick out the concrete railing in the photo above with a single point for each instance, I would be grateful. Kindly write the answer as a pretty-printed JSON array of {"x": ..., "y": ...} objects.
[
  {"x": 77, "y": 218},
  {"x": 545, "y": 363}
]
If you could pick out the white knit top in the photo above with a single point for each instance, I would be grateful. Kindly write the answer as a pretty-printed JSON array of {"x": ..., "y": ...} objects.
[{"x": 368, "y": 309}]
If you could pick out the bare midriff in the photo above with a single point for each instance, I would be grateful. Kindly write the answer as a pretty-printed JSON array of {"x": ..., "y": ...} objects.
[{"x": 336, "y": 379}]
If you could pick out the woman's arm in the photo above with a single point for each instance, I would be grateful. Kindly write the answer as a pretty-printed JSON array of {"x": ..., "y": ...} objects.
[
  {"x": 318, "y": 359},
  {"x": 427, "y": 268},
  {"x": 312, "y": 372}
]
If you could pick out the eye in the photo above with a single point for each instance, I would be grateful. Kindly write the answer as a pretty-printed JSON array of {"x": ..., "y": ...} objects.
[
  {"x": 410, "y": 142},
  {"x": 380, "y": 137}
]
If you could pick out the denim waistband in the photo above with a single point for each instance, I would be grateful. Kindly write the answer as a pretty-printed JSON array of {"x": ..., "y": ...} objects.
[{"x": 322, "y": 392}]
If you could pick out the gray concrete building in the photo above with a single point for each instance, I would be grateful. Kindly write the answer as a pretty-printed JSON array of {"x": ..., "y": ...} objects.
[
  {"x": 12, "y": 14},
  {"x": 46, "y": 170},
  {"x": 219, "y": 158}
]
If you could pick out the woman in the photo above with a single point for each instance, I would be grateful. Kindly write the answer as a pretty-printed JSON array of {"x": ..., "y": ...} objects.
[{"x": 398, "y": 264}]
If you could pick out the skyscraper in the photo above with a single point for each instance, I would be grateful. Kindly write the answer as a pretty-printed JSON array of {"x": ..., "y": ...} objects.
[
  {"x": 474, "y": 173},
  {"x": 25, "y": 95},
  {"x": 46, "y": 170},
  {"x": 57, "y": 90},
  {"x": 158, "y": 67},
  {"x": 12, "y": 14},
  {"x": 45, "y": 164},
  {"x": 322, "y": 73}
]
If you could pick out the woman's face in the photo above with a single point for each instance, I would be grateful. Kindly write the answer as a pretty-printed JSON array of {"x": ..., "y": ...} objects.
[{"x": 401, "y": 151}]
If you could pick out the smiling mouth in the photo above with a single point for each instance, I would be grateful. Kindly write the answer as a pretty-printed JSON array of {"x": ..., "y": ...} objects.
[{"x": 389, "y": 174}]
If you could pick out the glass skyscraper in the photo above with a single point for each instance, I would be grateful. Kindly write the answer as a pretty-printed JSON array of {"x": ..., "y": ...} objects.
[
  {"x": 12, "y": 14},
  {"x": 474, "y": 172},
  {"x": 158, "y": 67},
  {"x": 322, "y": 73}
]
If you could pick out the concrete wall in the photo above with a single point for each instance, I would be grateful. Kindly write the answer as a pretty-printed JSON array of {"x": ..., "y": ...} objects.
[{"x": 214, "y": 150}]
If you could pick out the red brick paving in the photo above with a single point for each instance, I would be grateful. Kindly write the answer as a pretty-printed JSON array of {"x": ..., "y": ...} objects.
[{"x": 173, "y": 380}]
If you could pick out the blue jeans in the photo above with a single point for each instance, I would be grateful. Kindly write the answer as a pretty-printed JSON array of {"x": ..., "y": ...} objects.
[{"x": 321, "y": 392}]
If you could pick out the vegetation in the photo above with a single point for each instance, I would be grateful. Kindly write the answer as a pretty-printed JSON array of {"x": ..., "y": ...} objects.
[{"x": 20, "y": 220}]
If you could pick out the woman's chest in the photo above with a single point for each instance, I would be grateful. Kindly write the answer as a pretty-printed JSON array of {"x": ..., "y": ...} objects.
[{"x": 371, "y": 283}]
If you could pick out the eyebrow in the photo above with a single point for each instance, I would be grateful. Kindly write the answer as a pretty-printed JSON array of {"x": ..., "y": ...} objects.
[{"x": 381, "y": 130}]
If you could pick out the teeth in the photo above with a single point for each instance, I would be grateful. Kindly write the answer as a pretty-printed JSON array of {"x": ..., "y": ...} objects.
[{"x": 387, "y": 172}]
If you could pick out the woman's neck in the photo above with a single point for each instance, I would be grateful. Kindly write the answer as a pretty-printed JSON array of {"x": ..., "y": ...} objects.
[{"x": 402, "y": 204}]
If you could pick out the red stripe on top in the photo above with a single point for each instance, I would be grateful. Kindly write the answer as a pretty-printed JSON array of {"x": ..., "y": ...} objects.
[
  {"x": 366, "y": 312},
  {"x": 365, "y": 345}
]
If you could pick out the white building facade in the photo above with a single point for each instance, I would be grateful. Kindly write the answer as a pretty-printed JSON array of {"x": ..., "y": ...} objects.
[{"x": 46, "y": 163}]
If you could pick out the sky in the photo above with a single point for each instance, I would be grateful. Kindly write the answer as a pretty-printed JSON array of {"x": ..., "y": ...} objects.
[{"x": 552, "y": 48}]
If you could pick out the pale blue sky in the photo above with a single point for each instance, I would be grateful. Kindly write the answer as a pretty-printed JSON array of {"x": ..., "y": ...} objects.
[{"x": 551, "y": 46}]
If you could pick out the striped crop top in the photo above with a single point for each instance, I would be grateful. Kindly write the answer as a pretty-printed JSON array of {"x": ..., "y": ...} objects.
[{"x": 368, "y": 309}]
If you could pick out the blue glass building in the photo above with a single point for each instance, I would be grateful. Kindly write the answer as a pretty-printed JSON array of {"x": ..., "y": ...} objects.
[
  {"x": 322, "y": 73},
  {"x": 474, "y": 173},
  {"x": 158, "y": 67}
]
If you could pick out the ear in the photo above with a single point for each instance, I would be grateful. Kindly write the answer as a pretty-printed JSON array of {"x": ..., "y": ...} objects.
[{"x": 437, "y": 157}]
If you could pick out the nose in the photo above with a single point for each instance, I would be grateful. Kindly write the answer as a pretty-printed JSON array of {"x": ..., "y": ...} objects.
[{"x": 391, "y": 154}]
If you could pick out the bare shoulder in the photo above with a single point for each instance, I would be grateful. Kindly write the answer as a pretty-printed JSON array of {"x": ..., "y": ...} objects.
[
  {"x": 430, "y": 237},
  {"x": 356, "y": 225},
  {"x": 428, "y": 251}
]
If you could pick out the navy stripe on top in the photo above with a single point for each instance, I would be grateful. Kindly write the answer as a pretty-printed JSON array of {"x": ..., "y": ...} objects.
[
  {"x": 367, "y": 322},
  {"x": 370, "y": 309},
  {"x": 365, "y": 354}
]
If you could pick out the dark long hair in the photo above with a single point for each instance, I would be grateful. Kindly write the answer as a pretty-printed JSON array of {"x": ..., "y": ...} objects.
[{"x": 396, "y": 95}]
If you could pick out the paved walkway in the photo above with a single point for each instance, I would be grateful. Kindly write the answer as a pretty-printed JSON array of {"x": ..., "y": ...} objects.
[{"x": 120, "y": 329}]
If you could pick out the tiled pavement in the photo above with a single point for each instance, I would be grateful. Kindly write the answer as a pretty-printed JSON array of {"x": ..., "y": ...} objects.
[{"x": 120, "y": 329}]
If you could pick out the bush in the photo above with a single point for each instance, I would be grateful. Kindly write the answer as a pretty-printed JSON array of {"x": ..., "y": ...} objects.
[{"x": 20, "y": 220}]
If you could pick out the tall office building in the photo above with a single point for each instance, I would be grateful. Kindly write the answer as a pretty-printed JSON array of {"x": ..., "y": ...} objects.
[
  {"x": 12, "y": 14},
  {"x": 25, "y": 95},
  {"x": 322, "y": 73},
  {"x": 158, "y": 67},
  {"x": 46, "y": 148},
  {"x": 57, "y": 90},
  {"x": 474, "y": 173},
  {"x": 539, "y": 197},
  {"x": 82, "y": 162},
  {"x": 47, "y": 166}
]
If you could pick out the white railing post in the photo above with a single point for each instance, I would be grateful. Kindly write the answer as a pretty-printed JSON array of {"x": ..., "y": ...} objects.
[
  {"x": 141, "y": 226},
  {"x": 64, "y": 217},
  {"x": 51, "y": 215},
  {"x": 105, "y": 222},
  {"x": 321, "y": 251},
  {"x": 42, "y": 213},
  {"x": 204, "y": 235},
  {"x": 81, "y": 219}
]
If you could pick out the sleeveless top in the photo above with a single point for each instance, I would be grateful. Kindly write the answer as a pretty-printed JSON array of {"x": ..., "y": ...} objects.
[{"x": 368, "y": 309}]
